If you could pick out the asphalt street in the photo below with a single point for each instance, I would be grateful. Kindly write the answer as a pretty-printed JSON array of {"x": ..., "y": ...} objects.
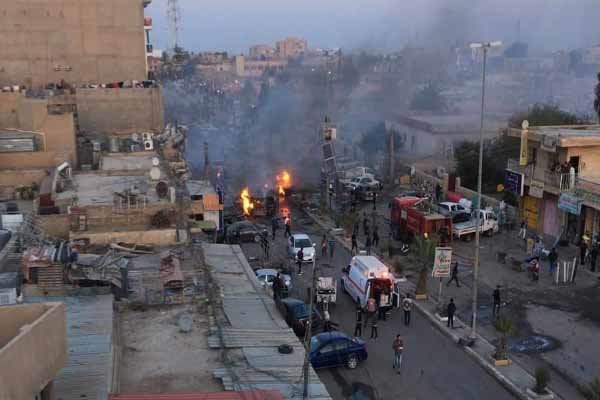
[{"x": 433, "y": 366}]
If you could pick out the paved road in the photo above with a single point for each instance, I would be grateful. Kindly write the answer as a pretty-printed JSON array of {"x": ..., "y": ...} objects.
[{"x": 434, "y": 367}]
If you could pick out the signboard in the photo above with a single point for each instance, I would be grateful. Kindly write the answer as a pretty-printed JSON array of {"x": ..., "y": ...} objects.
[
  {"x": 514, "y": 182},
  {"x": 524, "y": 150},
  {"x": 442, "y": 261},
  {"x": 549, "y": 143},
  {"x": 569, "y": 203},
  {"x": 536, "y": 189}
]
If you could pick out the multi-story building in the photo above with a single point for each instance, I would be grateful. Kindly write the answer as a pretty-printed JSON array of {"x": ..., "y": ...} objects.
[
  {"x": 261, "y": 52},
  {"x": 91, "y": 42},
  {"x": 291, "y": 47},
  {"x": 558, "y": 180}
]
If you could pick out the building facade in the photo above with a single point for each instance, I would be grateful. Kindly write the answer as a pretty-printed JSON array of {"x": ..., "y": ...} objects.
[{"x": 291, "y": 47}]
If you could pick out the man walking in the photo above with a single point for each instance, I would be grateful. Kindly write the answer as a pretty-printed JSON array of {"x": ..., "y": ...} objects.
[
  {"x": 274, "y": 226},
  {"x": 371, "y": 310},
  {"x": 277, "y": 287},
  {"x": 365, "y": 224},
  {"x": 288, "y": 226},
  {"x": 354, "y": 244},
  {"x": 496, "y": 296},
  {"x": 582, "y": 251},
  {"x": 368, "y": 245},
  {"x": 324, "y": 246},
  {"x": 523, "y": 230},
  {"x": 593, "y": 257},
  {"x": 374, "y": 329},
  {"x": 454, "y": 274},
  {"x": 451, "y": 310},
  {"x": 358, "y": 326},
  {"x": 375, "y": 236},
  {"x": 552, "y": 259},
  {"x": 407, "y": 306},
  {"x": 331, "y": 245},
  {"x": 300, "y": 257},
  {"x": 398, "y": 347}
]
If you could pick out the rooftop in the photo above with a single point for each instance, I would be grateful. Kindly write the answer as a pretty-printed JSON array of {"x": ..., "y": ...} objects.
[
  {"x": 199, "y": 187},
  {"x": 563, "y": 135},
  {"x": 449, "y": 124},
  {"x": 128, "y": 161}
]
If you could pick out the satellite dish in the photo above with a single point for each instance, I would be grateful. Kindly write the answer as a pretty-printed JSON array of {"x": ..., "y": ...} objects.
[
  {"x": 135, "y": 137},
  {"x": 162, "y": 189},
  {"x": 155, "y": 173},
  {"x": 525, "y": 124},
  {"x": 155, "y": 161},
  {"x": 413, "y": 170}
]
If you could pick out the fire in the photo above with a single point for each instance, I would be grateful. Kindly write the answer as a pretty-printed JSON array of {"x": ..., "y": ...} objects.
[
  {"x": 246, "y": 202},
  {"x": 284, "y": 181}
]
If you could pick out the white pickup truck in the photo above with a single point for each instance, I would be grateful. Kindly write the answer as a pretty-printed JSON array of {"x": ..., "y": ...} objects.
[{"x": 488, "y": 225}]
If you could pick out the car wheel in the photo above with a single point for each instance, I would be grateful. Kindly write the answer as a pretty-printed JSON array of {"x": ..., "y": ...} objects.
[
  {"x": 256, "y": 238},
  {"x": 352, "y": 361}
]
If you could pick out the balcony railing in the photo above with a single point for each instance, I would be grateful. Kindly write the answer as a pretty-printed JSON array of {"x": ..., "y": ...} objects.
[{"x": 561, "y": 181}]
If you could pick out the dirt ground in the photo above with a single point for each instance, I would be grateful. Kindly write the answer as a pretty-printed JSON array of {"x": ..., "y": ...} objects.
[{"x": 158, "y": 358}]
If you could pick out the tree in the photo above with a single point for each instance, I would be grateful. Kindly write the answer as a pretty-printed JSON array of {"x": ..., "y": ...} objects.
[
  {"x": 505, "y": 326},
  {"x": 546, "y": 114},
  {"x": 597, "y": 99},
  {"x": 425, "y": 250},
  {"x": 429, "y": 98}
]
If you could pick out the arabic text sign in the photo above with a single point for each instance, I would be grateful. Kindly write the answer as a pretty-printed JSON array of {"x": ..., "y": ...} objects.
[{"x": 442, "y": 261}]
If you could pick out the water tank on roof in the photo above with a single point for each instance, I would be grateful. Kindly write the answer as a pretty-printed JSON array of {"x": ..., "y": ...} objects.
[
  {"x": 162, "y": 189},
  {"x": 155, "y": 173}
]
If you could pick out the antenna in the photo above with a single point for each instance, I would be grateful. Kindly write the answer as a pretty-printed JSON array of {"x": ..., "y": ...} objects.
[{"x": 174, "y": 21}]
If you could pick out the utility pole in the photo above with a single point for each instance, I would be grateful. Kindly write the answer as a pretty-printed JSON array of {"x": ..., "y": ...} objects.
[
  {"x": 392, "y": 156},
  {"x": 485, "y": 46},
  {"x": 308, "y": 332}
]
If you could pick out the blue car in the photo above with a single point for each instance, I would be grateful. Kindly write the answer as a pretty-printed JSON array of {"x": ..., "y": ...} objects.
[{"x": 330, "y": 349}]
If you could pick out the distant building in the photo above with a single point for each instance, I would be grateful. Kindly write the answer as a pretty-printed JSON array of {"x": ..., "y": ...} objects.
[
  {"x": 261, "y": 51},
  {"x": 291, "y": 47},
  {"x": 206, "y": 207}
]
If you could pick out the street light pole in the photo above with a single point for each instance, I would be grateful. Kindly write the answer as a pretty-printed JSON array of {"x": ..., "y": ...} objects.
[{"x": 485, "y": 46}]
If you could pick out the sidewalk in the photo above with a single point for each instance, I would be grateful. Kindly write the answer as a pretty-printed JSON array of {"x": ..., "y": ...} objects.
[{"x": 514, "y": 377}]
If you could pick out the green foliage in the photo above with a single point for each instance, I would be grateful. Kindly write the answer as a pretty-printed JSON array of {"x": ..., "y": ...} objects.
[
  {"x": 397, "y": 265},
  {"x": 495, "y": 157},
  {"x": 591, "y": 391},
  {"x": 542, "y": 378},
  {"x": 504, "y": 325},
  {"x": 429, "y": 98},
  {"x": 425, "y": 250},
  {"x": 545, "y": 114}
]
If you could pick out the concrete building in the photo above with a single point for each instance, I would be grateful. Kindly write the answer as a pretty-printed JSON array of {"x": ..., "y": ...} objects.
[
  {"x": 557, "y": 200},
  {"x": 261, "y": 52},
  {"x": 33, "y": 349},
  {"x": 291, "y": 47},
  {"x": 79, "y": 42},
  {"x": 206, "y": 206}
]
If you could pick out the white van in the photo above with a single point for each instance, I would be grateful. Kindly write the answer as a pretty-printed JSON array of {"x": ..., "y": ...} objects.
[{"x": 366, "y": 277}]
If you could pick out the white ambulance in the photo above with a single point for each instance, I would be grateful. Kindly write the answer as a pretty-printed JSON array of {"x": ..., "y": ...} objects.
[{"x": 366, "y": 277}]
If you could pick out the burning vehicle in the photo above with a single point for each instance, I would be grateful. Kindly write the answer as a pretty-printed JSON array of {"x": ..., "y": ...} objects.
[
  {"x": 264, "y": 201},
  {"x": 245, "y": 232}
]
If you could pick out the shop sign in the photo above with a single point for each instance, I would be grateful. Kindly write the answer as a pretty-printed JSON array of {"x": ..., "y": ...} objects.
[
  {"x": 569, "y": 203},
  {"x": 536, "y": 189},
  {"x": 513, "y": 182},
  {"x": 442, "y": 261}
]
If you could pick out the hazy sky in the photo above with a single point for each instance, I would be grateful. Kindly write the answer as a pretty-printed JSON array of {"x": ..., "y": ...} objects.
[{"x": 233, "y": 25}]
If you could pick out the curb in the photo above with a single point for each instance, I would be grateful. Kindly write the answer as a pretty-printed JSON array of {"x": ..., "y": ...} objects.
[{"x": 485, "y": 364}]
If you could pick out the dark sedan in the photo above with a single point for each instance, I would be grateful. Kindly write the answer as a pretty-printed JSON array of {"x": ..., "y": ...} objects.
[
  {"x": 295, "y": 313},
  {"x": 331, "y": 349},
  {"x": 244, "y": 232}
]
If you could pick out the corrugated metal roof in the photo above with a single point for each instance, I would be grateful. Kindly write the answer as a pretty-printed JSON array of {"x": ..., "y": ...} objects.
[
  {"x": 250, "y": 395},
  {"x": 88, "y": 373}
]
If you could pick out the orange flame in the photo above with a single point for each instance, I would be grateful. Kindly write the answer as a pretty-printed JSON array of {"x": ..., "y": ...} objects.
[
  {"x": 284, "y": 181},
  {"x": 247, "y": 204}
]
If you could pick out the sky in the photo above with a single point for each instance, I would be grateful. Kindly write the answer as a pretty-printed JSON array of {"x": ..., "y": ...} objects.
[{"x": 385, "y": 25}]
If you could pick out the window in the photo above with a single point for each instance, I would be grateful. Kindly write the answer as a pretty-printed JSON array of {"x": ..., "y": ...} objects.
[
  {"x": 342, "y": 345},
  {"x": 328, "y": 348},
  {"x": 270, "y": 278}
]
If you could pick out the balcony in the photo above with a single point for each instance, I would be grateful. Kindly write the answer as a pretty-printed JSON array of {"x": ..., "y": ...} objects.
[{"x": 554, "y": 182}]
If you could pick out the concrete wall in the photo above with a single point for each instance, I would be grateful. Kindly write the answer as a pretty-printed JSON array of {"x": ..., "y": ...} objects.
[
  {"x": 589, "y": 163},
  {"x": 100, "y": 41},
  {"x": 34, "y": 348},
  {"x": 54, "y": 225},
  {"x": 157, "y": 237},
  {"x": 107, "y": 111}
]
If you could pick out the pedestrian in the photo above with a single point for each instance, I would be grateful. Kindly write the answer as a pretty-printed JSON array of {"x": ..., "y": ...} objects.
[
  {"x": 371, "y": 310},
  {"x": 288, "y": 226},
  {"x": 381, "y": 311},
  {"x": 365, "y": 223},
  {"x": 274, "y": 226},
  {"x": 538, "y": 247},
  {"x": 593, "y": 257},
  {"x": 368, "y": 245},
  {"x": 451, "y": 310},
  {"x": 374, "y": 201},
  {"x": 535, "y": 270},
  {"x": 496, "y": 296},
  {"x": 300, "y": 258},
  {"x": 359, "y": 320},
  {"x": 331, "y": 245},
  {"x": 407, "y": 306},
  {"x": 324, "y": 246},
  {"x": 367, "y": 231},
  {"x": 398, "y": 347},
  {"x": 582, "y": 251},
  {"x": 374, "y": 329},
  {"x": 454, "y": 274},
  {"x": 355, "y": 228},
  {"x": 375, "y": 236},
  {"x": 552, "y": 259},
  {"x": 354, "y": 243},
  {"x": 438, "y": 192},
  {"x": 523, "y": 230},
  {"x": 277, "y": 287}
]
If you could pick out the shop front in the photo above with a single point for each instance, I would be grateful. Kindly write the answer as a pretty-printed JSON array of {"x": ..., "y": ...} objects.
[{"x": 572, "y": 224}]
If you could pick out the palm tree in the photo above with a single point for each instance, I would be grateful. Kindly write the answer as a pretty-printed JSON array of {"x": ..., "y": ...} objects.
[
  {"x": 505, "y": 327},
  {"x": 425, "y": 250}
]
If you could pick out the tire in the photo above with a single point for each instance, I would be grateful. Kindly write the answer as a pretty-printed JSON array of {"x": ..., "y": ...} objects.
[
  {"x": 256, "y": 238},
  {"x": 352, "y": 361}
]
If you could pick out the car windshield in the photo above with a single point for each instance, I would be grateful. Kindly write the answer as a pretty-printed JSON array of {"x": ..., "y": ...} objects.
[
  {"x": 355, "y": 180},
  {"x": 301, "y": 243},
  {"x": 314, "y": 343},
  {"x": 300, "y": 310}
]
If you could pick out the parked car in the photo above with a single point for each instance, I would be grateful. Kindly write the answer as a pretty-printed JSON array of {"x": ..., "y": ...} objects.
[
  {"x": 295, "y": 312},
  {"x": 245, "y": 231},
  {"x": 266, "y": 276},
  {"x": 461, "y": 217},
  {"x": 331, "y": 349},
  {"x": 450, "y": 208},
  {"x": 298, "y": 241},
  {"x": 364, "y": 182},
  {"x": 488, "y": 225}
]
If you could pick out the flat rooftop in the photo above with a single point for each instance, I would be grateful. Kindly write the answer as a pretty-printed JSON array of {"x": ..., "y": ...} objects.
[
  {"x": 93, "y": 189},
  {"x": 199, "y": 187},
  {"x": 453, "y": 123},
  {"x": 141, "y": 161},
  {"x": 20, "y": 317},
  {"x": 563, "y": 135}
]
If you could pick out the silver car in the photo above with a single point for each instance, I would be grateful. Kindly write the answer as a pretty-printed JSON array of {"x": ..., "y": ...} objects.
[{"x": 266, "y": 277}]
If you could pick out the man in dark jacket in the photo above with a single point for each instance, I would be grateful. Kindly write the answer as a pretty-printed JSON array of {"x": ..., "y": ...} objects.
[
  {"x": 300, "y": 257},
  {"x": 496, "y": 297},
  {"x": 451, "y": 310},
  {"x": 454, "y": 274}
]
